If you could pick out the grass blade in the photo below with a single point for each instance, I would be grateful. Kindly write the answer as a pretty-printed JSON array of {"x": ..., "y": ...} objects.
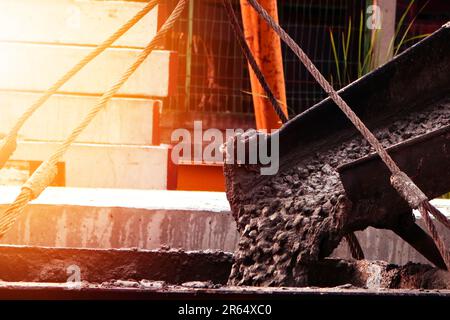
[
  {"x": 336, "y": 57},
  {"x": 360, "y": 44},
  {"x": 400, "y": 44}
]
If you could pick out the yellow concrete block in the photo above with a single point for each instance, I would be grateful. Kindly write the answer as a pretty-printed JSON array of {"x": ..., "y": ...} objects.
[
  {"x": 124, "y": 121},
  {"x": 36, "y": 67},
  {"x": 105, "y": 166},
  {"x": 74, "y": 21}
]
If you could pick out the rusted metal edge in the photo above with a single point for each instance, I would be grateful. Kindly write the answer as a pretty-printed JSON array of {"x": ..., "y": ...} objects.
[
  {"x": 397, "y": 147},
  {"x": 420, "y": 157},
  {"x": 413, "y": 79}
]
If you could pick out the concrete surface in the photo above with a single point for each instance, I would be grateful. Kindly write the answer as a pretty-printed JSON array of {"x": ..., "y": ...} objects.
[
  {"x": 36, "y": 67},
  {"x": 123, "y": 121},
  {"x": 100, "y": 218},
  {"x": 72, "y": 21},
  {"x": 146, "y": 219},
  {"x": 105, "y": 165}
]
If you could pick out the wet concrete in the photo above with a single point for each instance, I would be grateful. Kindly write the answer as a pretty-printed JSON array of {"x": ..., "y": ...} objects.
[
  {"x": 301, "y": 214},
  {"x": 291, "y": 220}
]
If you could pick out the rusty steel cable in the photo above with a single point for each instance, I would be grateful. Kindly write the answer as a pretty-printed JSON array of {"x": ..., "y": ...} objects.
[
  {"x": 354, "y": 246},
  {"x": 9, "y": 143},
  {"x": 252, "y": 61},
  {"x": 45, "y": 174},
  {"x": 399, "y": 180}
]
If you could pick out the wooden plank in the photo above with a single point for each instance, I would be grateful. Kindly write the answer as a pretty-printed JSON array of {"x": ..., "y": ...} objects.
[
  {"x": 124, "y": 121},
  {"x": 73, "y": 21},
  {"x": 105, "y": 166},
  {"x": 34, "y": 67}
]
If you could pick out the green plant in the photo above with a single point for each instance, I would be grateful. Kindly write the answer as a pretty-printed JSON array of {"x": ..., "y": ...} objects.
[
  {"x": 365, "y": 63},
  {"x": 366, "y": 58}
]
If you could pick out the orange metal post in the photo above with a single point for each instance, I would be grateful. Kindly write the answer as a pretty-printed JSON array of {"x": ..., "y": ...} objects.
[{"x": 266, "y": 47}]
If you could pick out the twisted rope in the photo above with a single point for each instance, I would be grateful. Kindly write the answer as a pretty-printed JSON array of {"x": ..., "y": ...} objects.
[
  {"x": 252, "y": 61},
  {"x": 9, "y": 143},
  {"x": 45, "y": 174},
  {"x": 400, "y": 181}
]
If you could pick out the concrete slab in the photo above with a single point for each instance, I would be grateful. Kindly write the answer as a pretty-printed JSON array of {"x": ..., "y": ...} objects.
[
  {"x": 110, "y": 218},
  {"x": 212, "y": 202},
  {"x": 36, "y": 67},
  {"x": 147, "y": 219},
  {"x": 105, "y": 166},
  {"x": 72, "y": 21},
  {"x": 124, "y": 120}
]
